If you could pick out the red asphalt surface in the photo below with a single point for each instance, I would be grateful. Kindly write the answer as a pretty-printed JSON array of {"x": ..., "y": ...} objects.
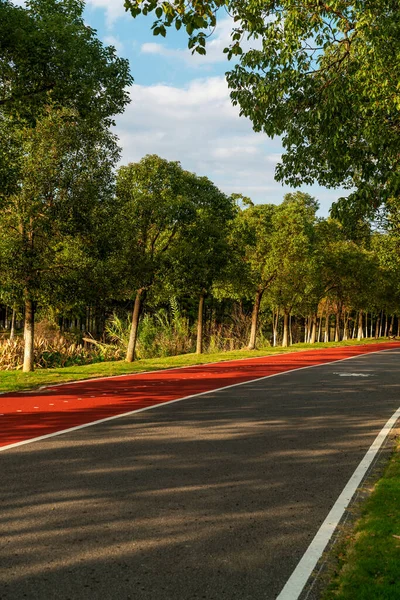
[{"x": 28, "y": 415}]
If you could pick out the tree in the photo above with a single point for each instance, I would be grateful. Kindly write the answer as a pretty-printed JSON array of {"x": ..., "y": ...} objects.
[
  {"x": 254, "y": 261},
  {"x": 325, "y": 79},
  {"x": 292, "y": 240},
  {"x": 48, "y": 55},
  {"x": 203, "y": 251},
  {"x": 66, "y": 173},
  {"x": 154, "y": 208}
]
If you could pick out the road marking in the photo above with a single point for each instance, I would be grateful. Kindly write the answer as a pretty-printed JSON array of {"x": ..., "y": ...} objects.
[
  {"x": 298, "y": 579},
  {"x": 353, "y": 374},
  {"x": 160, "y": 404}
]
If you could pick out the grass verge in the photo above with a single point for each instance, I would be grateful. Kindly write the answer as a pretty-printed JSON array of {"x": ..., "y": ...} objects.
[
  {"x": 369, "y": 560},
  {"x": 11, "y": 381}
]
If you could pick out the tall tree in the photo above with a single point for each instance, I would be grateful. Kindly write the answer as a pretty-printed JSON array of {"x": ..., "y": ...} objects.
[
  {"x": 203, "y": 249},
  {"x": 66, "y": 172},
  {"x": 154, "y": 208}
]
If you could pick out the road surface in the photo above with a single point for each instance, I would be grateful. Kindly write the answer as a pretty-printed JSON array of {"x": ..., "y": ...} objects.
[{"x": 214, "y": 497}]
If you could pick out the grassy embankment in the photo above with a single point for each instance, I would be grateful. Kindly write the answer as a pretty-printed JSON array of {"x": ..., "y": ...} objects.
[
  {"x": 16, "y": 380},
  {"x": 369, "y": 559}
]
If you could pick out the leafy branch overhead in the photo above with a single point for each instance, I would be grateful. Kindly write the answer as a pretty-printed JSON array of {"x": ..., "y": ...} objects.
[{"x": 324, "y": 75}]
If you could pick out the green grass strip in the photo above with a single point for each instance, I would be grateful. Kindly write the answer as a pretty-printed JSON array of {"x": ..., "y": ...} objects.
[
  {"x": 370, "y": 562},
  {"x": 11, "y": 381}
]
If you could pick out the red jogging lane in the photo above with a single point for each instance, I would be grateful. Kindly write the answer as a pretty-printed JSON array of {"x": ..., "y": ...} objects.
[{"x": 28, "y": 415}]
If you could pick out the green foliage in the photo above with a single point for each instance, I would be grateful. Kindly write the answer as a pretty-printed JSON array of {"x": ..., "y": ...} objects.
[
  {"x": 66, "y": 172},
  {"x": 324, "y": 76},
  {"x": 48, "y": 55}
]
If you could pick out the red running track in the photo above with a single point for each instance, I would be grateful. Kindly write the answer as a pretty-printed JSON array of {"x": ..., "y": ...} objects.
[{"x": 28, "y": 415}]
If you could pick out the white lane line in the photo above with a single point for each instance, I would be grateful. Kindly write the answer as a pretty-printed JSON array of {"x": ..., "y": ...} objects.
[
  {"x": 298, "y": 579},
  {"x": 161, "y": 404}
]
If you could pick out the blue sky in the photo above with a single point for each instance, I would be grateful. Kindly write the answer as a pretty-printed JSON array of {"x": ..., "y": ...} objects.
[{"x": 180, "y": 108}]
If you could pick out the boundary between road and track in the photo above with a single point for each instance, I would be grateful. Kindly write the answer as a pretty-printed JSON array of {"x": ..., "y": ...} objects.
[
  {"x": 159, "y": 405},
  {"x": 168, "y": 369}
]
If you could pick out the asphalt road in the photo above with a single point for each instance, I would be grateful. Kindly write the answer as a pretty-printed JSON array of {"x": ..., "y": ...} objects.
[{"x": 215, "y": 497}]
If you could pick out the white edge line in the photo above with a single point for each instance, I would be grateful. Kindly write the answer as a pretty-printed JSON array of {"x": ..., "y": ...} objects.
[
  {"x": 298, "y": 579},
  {"x": 160, "y": 404},
  {"x": 50, "y": 386}
]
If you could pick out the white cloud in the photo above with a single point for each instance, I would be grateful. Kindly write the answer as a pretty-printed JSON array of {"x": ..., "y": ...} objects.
[
  {"x": 114, "y": 9},
  {"x": 110, "y": 40},
  {"x": 198, "y": 126}
]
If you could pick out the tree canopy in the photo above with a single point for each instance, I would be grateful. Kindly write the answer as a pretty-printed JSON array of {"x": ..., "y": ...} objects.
[
  {"x": 48, "y": 54},
  {"x": 323, "y": 75}
]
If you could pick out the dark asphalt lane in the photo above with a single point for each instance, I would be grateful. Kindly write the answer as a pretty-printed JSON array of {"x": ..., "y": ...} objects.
[{"x": 215, "y": 497}]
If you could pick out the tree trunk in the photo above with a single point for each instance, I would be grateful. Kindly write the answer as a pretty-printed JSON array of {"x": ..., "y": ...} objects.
[
  {"x": 276, "y": 323},
  {"x": 29, "y": 334},
  {"x": 319, "y": 329},
  {"x": 254, "y": 319},
  {"x": 326, "y": 336},
  {"x": 337, "y": 326},
  {"x": 354, "y": 326},
  {"x": 360, "y": 333},
  {"x": 12, "y": 330},
  {"x": 130, "y": 354},
  {"x": 313, "y": 336},
  {"x": 386, "y": 325},
  {"x": 290, "y": 331},
  {"x": 380, "y": 324},
  {"x": 345, "y": 326},
  {"x": 285, "y": 339},
  {"x": 390, "y": 333},
  {"x": 377, "y": 325},
  {"x": 199, "y": 341}
]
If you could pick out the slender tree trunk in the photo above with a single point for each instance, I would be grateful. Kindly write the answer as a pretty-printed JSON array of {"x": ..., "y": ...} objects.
[
  {"x": 377, "y": 325},
  {"x": 290, "y": 331},
  {"x": 276, "y": 323},
  {"x": 386, "y": 325},
  {"x": 319, "y": 329},
  {"x": 29, "y": 334},
  {"x": 199, "y": 341},
  {"x": 337, "y": 326},
  {"x": 398, "y": 326},
  {"x": 285, "y": 339},
  {"x": 380, "y": 324},
  {"x": 130, "y": 354},
  {"x": 12, "y": 330},
  {"x": 360, "y": 333},
  {"x": 313, "y": 329},
  {"x": 345, "y": 326},
  {"x": 254, "y": 319},
  {"x": 326, "y": 336},
  {"x": 354, "y": 326},
  {"x": 390, "y": 333},
  {"x": 371, "y": 330}
]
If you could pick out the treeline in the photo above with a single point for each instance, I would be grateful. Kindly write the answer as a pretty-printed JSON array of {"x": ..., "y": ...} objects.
[{"x": 164, "y": 239}]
